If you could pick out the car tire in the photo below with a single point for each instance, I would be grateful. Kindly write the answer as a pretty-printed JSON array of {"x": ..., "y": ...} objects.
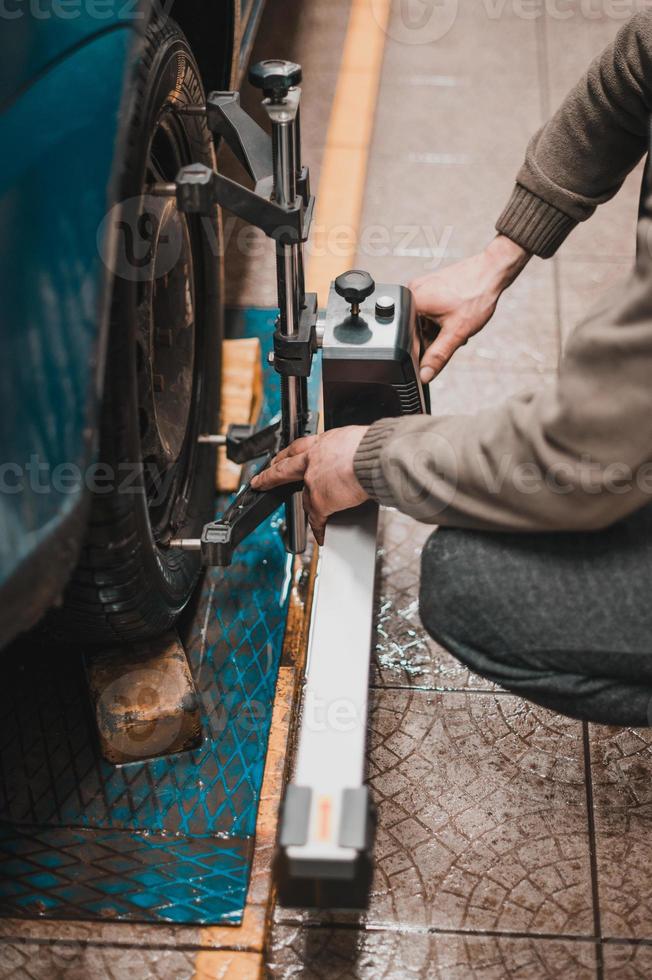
[{"x": 161, "y": 389}]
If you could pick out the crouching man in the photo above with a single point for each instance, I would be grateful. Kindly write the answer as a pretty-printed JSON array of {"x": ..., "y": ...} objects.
[{"x": 540, "y": 575}]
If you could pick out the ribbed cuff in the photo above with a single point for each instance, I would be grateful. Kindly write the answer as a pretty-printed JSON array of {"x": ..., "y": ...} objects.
[
  {"x": 534, "y": 224},
  {"x": 366, "y": 462}
]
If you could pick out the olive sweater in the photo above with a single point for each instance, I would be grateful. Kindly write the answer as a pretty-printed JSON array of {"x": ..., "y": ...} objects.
[{"x": 576, "y": 454}]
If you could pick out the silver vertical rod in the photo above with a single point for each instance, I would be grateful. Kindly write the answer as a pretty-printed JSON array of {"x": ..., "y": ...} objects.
[
  {"x": 298, "y": 164},
  {"x": 290, "y": 298}
]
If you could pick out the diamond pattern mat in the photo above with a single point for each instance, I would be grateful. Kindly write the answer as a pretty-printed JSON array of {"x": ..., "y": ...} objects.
[
  {"x": 169, "y": 839},
  {"x": 88, "y": 874}
]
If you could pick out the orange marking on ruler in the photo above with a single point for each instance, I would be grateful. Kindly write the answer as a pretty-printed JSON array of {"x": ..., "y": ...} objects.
[{"x": 324, "y": 813}]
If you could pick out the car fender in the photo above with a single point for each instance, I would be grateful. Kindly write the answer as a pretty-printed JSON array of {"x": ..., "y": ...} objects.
[{"x": 56, "y": 185}]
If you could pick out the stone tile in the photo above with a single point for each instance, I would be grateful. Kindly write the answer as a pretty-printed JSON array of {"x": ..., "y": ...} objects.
[
  {"x": 425, "y": 216},
  {"x": 460, "y": 392},
  {"x": 624, "y": 888},
  {"x": 621, "y": 762},
  {"x": 627, "y": 962},
  {"x": 403, "y": 653},
  {"x": 36, "y": 961},
  {"x": 310, "y": 33},
  {"x": 438, "y": 178},
  {"x": 523, "y": 333},
  {"x": 46, "y": 932},
  {"x": 337, "y": 954},
  {"x": 389, "y": 268},
  {"x": 583, "y": 284},
  {"x": 453, "y": 213},
  {"x": 460, "y": 121},
  {"x": 483, "y": 44},
  {"x": 482, "y": 818},
  {"x": 250, "y": 269}
]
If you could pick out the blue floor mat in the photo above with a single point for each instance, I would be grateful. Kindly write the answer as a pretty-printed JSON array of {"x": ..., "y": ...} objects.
[{"x": 169, "y": 840}]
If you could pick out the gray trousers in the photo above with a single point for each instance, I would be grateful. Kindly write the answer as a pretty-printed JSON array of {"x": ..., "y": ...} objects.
[{"x": 562, "y": 619}]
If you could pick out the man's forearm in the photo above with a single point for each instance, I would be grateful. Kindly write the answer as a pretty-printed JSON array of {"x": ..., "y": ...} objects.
[
  {"x": 506, "y": 259},
  {"x": 581, "y": 156}
]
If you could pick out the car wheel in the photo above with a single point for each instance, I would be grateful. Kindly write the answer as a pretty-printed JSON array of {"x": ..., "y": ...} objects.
[{"x": 154, "y": 481}]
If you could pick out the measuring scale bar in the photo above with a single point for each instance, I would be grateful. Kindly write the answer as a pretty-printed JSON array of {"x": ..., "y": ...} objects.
[{"x": 326, "y": 825}]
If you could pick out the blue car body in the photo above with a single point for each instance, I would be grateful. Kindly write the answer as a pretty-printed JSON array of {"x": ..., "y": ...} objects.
[{"x": 66, "y": 71}]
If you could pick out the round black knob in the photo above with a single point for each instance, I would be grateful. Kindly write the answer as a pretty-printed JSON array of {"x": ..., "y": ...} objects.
[
  {"x": 275, "y": 77},
  {"x": 354, "y": 286}
]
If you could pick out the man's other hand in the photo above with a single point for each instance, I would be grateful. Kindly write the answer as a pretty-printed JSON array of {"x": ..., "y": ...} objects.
[
  {"x": 462, "y": 298},
  {"x": 325, "y": 464}
]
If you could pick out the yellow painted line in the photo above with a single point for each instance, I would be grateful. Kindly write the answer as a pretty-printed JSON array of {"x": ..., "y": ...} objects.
[
  {"x": 228, "y": 965},
  {"x": 231, "y": 949},
  {"x": 336, "y": 227}
]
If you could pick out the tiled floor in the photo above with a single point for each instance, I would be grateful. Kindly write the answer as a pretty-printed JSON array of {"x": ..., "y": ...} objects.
[{"x": 511, "y": 842}]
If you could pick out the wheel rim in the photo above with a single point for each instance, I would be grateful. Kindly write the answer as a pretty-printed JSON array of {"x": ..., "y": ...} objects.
[{"x": 168, "y": 335}]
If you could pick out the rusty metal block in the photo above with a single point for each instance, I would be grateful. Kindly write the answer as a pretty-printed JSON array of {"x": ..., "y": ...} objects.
[{"x": 144, "y": 699}]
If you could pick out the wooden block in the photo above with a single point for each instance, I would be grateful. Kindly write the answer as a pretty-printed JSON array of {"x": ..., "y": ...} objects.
[
  {"x": 242, "y": 397},
  {"x": 144, "y": 699}
]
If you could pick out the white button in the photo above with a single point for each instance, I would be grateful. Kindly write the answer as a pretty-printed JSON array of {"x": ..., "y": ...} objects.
[{"x": 384, "y": 307}]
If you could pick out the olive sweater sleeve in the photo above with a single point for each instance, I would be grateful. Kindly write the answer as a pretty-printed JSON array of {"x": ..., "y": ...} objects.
[{"x": 581, "y": 156}]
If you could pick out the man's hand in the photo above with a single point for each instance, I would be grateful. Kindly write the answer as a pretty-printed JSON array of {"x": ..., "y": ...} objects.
[
  {"x": 325, "y": 464},
  {"x": 462, "y": 298}
]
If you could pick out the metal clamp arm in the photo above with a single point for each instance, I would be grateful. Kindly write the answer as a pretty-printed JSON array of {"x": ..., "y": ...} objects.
[
  {"x": 250, "y": 143},
  {"x": 293, "y": 355},
  {"x": 249, "y": 509},
  {"x": 198, "y": 189},
  {"x": 244, "y": 443}
]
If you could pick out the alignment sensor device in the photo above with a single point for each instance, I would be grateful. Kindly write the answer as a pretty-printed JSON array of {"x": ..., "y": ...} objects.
[{"x": 370, "y": 370}]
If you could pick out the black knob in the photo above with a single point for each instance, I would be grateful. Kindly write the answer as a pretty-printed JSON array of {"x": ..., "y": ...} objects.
[
  {"x": 275, "y": 77},
  {"x": 354, "y": 286}
]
